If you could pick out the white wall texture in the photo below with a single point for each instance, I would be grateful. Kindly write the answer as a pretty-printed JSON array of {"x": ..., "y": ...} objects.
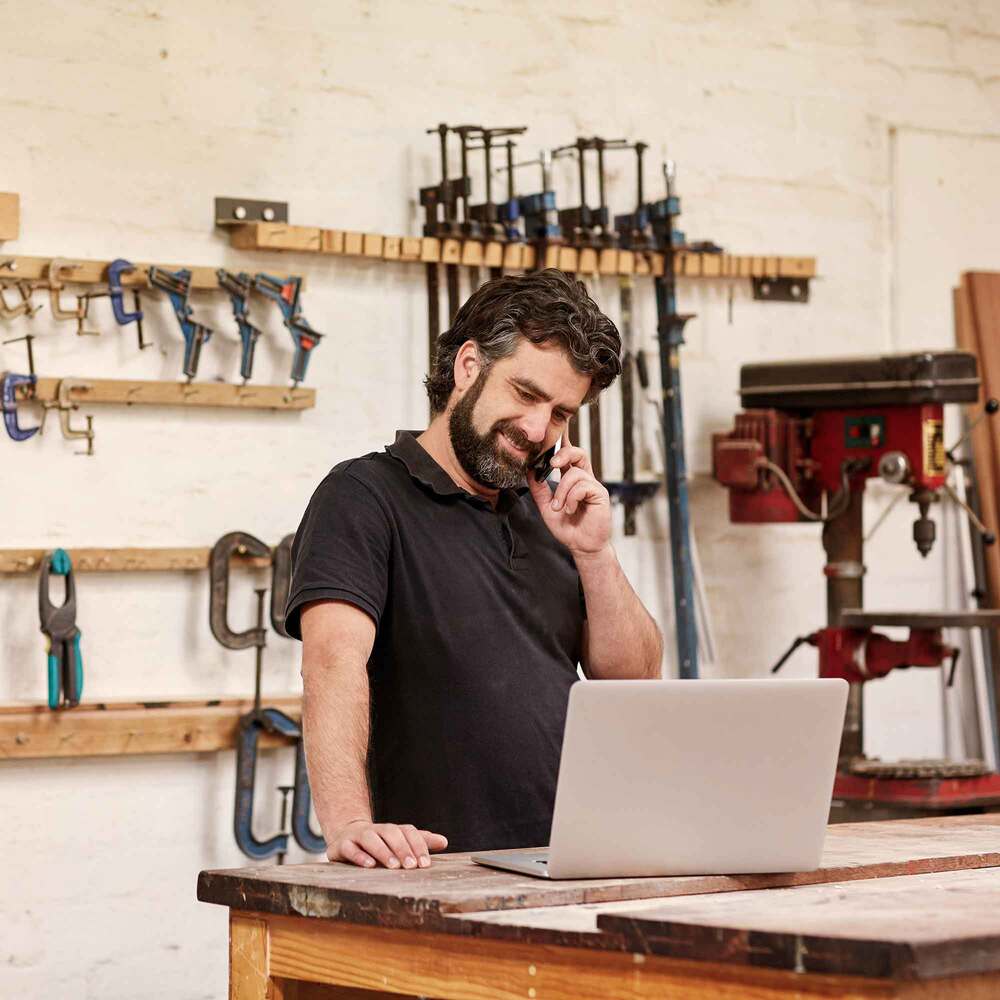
[{"x": 122, "y": 121}]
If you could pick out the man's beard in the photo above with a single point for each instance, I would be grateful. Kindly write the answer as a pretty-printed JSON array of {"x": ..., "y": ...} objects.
[{"x": 482, "y": 456}]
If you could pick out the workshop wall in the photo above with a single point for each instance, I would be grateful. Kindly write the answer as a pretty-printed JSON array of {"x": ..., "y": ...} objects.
[{"x": 123, "y": 122}]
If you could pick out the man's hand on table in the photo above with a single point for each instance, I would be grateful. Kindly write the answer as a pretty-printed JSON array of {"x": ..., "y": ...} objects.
[{"x": 366, "y": 844}]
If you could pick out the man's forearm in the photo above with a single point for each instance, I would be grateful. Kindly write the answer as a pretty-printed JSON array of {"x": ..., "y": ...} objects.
[
  {"x": 623, "y": 640},
  {"x": 335, "y": 717}
]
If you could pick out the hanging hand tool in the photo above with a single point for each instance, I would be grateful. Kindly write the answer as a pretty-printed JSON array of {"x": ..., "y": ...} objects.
[
  {"x": 634, "y": 234},
  {"x": 273, "y": 721},
  {"x": 177, "y": 285},
  {"x": 24, "y": 307},
  {"x": 509, "y": 211},
  {"x": 586, "y": 226},
  {"x": 66, "y": 408},
  {"x": 56, "y": 269},
  {"x": 259, "y": 719},
  {"x": 440, "y": 203},
  {"x": 58, "y": 624},
  {"x": 487, "y": 214},
  {"x": 8, "y": 393},
  {"x": 285, "y": 291},
  {"x": 469, "y": 226},
  {"x": 629, "y": 492},
  {"x": 281, "y": 582},
  {"x": 607, "y": 236},
  {"x": 633, "y": 228},
  {"x": 116, "y": 269},
  {"x": 670, "y": 334},
  {"x": 238, "y": 287},
  {"x": 541, "y": 217}
]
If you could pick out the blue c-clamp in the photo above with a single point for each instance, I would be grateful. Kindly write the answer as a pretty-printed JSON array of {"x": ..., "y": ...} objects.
[
  {"x": 259, "y": 719},
  {"x": 9, "y": 396}
]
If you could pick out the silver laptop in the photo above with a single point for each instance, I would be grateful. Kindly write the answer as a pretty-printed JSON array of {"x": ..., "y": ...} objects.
[{"x": 690, "y": 778}]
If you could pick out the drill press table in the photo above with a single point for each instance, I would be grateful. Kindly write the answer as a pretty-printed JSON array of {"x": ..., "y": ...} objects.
[{"x": 905, "y": 908}]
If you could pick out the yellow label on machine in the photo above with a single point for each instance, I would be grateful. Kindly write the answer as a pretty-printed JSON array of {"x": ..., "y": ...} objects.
[{"x": 933, "y": 447}]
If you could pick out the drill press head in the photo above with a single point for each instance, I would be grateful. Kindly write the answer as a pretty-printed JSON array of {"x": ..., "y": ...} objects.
[{"x": 816, "y": 431}]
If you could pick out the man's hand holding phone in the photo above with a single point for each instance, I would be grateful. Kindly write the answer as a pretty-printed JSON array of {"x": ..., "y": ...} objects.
[{"x": 578, "y": 513}]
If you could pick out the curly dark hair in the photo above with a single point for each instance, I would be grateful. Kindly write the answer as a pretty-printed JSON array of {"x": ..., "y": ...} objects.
[{"x": 540, "y": 306}]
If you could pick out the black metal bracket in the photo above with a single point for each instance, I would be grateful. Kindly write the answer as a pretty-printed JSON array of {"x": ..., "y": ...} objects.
[
  {"x": 239, "y": 211},
  {"x": 781, "y": 289}
]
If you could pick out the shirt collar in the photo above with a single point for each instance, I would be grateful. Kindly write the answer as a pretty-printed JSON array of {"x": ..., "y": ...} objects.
[{"x": 421, "y": 467}]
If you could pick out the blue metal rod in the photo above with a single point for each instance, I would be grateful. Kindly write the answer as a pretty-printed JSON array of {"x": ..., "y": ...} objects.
[{"x": 670, "y": 334}]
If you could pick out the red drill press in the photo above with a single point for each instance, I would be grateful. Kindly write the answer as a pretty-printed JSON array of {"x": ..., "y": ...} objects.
[{"x": 812, "y": 434}]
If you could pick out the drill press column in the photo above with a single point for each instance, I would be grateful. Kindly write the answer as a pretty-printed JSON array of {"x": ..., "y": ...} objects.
[{"x": 843, "y": 542}]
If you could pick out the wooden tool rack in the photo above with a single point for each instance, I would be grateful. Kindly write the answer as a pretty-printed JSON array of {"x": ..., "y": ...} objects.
[
  {"x": 513, "y": 256},
  {"x": 129, "y": 392},
  {"x": 128, "y": 727},
  {"x": 133, "y": 392}
]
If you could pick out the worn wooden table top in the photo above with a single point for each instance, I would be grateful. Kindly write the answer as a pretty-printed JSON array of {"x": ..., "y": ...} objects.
[{"x": 425, "y": 898}]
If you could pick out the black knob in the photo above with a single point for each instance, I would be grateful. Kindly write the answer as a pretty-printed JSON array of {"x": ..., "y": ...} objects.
[
  {"x": 924, "y": 533},
  {"x": 992, "y": 405},
  {"x": 989, "y": 538}
]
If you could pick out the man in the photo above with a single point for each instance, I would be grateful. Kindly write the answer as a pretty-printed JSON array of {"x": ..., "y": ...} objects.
[{"x": 445, "y": 595}]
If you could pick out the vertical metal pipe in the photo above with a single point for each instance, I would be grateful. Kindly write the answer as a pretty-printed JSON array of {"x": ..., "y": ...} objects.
[
  {"x": 433, "y": 314},
  {"x": 491, "y": 211},
  {"x": 843, "y": 542},
  {"x": 259, "y": 666},
  {"x": 464, "y": 196},
  {"x": 628, "y": 399},
  {"x": 670, "y": 333}
]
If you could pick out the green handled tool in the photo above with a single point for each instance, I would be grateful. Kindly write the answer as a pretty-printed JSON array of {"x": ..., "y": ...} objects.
[{"x": 58, "y": 623}]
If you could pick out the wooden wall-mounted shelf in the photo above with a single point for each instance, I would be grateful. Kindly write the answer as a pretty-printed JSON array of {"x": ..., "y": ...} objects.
[
  {"x": 129, "y": 392},
  {"x": 10, "y": 216},
  {"x": 185, "y": 560},
  {"x": 125, "y": 728},
  {"x": 95, "y": 272},
  {"x": 511, "y": 256}
]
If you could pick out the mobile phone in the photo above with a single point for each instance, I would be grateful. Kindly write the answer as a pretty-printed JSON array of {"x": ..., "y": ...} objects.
[{"x": 542, "y": 467}]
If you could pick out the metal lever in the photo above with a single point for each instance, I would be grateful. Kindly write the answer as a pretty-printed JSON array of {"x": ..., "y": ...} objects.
[
  {"x": 989, "y": 409},
  {"x": 800, "y": 641}
]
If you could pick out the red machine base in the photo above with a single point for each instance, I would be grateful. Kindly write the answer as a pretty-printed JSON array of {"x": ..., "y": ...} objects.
[{"x": 922, "y": 793}]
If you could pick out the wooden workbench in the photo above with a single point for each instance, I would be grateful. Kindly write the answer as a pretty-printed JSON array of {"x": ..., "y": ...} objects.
[{"x": 906, "y": 908}]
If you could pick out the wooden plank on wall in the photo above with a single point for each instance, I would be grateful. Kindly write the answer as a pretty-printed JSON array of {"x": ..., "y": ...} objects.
[
  {"x": 277, "y": 236},
  {"x": 95, "y": 272},
  {"x": 986, "y": 437},
  {"x": 132, "y": 392},
  {"x": 977, "y": 319},
  {"x": 516, "y": 256},
  {"x": 111, "y": 730},
  {"x": 122, "y": 560},
  {"x": 10, "y": 215}
]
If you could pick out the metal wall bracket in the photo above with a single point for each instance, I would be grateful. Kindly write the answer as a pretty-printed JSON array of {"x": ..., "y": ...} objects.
[
  {"x": 237, "y": 211},
  {"x": 781, "y": 289}
]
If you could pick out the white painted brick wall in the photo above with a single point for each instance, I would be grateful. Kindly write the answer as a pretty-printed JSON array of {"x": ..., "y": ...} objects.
[{"x": 123, "y": 121}]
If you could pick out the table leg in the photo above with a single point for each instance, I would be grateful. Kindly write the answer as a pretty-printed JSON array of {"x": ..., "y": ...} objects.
[{"x": 248, "y": 978}]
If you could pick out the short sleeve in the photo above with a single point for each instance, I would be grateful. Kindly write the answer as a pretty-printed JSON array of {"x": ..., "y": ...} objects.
[{"x": 341, "y": 550}]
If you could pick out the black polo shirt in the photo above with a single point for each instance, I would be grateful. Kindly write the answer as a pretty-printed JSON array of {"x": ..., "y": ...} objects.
[{"x": 479, "y": 615}]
